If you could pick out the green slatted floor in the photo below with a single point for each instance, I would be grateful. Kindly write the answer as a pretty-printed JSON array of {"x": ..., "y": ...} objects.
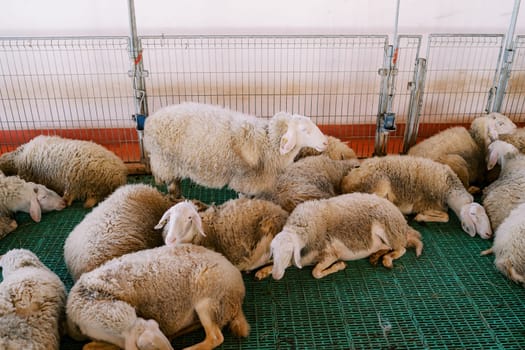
[{"x": 449, "y": 298}]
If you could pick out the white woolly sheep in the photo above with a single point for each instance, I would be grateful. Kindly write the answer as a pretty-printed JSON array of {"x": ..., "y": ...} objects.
[
  {"x": 75, "y": 169},
  {"x": 421, "y": 186},
  {"x": 327, "y": 232},
  {"x": 509, "y": 245},
  {"x": 32, "y": 303},
  {"x": 517, "y": 139},
  {"x": 240, "y": 229},
  {"x": 336, "y": 150},
  {"x": 28, "y": 197},
  {"x": 215, "y": 147},
  {"x": 465, "y": 150},
  {"x": 122, "y": 223},
  {"x": 313, "y": 177},
  {"x": 174, "y": 289},
  {"x": 508, "y": 191}
]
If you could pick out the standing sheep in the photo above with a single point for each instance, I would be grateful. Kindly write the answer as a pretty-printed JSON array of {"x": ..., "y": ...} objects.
[
  {"x": 32, "y": 303},
  {"x": 421, "y": 186},
  {"x": 313, "y": 177},
  {"x": 508, "y": 191},
  {"x": 122, "y": 223},
  {"x": 141, "y": 299},
  {"x": 465, "y": 150},
  {"x": 240, "y": 229},
  {"x": 327, "y": 232},
  {"x": 509, "y": 245},
  {"x": 76, "y": 169},
  {"x": 216, "y": 147},
  {"x": 19, "y": 195}
]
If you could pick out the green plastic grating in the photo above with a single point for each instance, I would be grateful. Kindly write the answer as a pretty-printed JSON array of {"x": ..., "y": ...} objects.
[{"x": 448, "y": 298}]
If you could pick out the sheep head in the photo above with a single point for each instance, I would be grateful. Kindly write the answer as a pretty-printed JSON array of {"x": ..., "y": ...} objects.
[
  {"x": 284, "y": 246},
  {"x": 474, "y": 220},
  {"x": 301, "y": 132},
  {"x": 18, "y": 258},
  {"x": 182, "y": 222}
]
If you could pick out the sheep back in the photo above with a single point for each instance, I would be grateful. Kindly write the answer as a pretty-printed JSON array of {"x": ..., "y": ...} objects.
[
  {"x": 76, "y": 169},
  {"x": 32, "y": 303},
  {"x": 122, "y": 223},
  {"x": 163, "y": 283},
  {"x": 517, "y": 139}
]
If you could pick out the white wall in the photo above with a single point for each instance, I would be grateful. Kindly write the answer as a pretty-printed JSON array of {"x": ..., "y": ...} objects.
[{"x": 110, "y": 17}]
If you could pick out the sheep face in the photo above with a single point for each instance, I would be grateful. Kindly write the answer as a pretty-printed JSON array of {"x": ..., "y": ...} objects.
[
  {"x": 16, "y": 259},
  {"x": 474, "y": 219},
  {"x": 183, "y": 224},
  {"x": 498, "y": 124},
  {"x": 285, "y": 245},
  {"x": 499, "y": 151},
  {"x": 49, "y": 200},
  {"x": 302, "y": 132}
]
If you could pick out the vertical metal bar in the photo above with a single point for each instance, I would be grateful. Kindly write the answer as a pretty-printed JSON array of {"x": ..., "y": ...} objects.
[
  {"x": 387, "y": 92},
  {"x": 508, "y": 57},
  {"x": 138, "y": 74},
  {"x": 415, "y": 104}
]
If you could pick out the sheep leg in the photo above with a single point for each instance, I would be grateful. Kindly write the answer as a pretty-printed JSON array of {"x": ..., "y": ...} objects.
[
  {"x": 214, "y": 335},
  {"x": 264, "y": 272},
  {"x": 326, "y": 266},
  {"x": 383, "y": 189},
  {"x": 511, "y": 272},
  {"x": 395, "y": 254},
  {"x": 68, "y": 198},
  {"x": 374, "y": 257},
  {"x": 432, "y": 216},
  {"x": 98, "y": 345},
  {"x": 239, "y": 326}
]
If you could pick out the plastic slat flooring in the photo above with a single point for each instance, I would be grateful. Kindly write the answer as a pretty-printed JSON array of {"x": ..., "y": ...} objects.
[{"x": 448, "y": 298}]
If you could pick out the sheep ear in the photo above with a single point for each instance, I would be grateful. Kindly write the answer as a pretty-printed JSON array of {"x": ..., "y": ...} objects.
[
  {"x": 34, "y": 210},
  {"x": 163, "y": 220},
  {"x": 197, "y": 224},
  {"x": 492, "y": 158},
  {"x": 297, "y": 254},
  {"x": 288, "y": 140},
  {"x": 492, "y": 132}
]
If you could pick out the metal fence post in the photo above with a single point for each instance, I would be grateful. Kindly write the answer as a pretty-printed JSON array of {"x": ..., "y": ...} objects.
[
  {"x": 508, "y": 57},
  {"x": 385, "y": 117},
  {"x": 138, "y": 74},
  {"x": 417, "y": 87}
]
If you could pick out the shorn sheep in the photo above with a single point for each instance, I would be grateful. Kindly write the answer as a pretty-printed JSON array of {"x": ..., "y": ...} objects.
[
  {"x": 509, "y": 245},
  {"x": 174, "y": 289},
  {"x": 313, "y": 177},
  {"x": 465, "y": 150},
  {"x": 122, "y": 223},
  {"x": 240, "y": 229},
  {"x": 353, "y": 226},
  {"x": 19, "y": 195},
  {"x": 508, "y": 190},
  {"x": 75, "y": 169},
  {"x": 419, "y": 186},
  {"x": 32, "y": 303},
  {"x": 215, "y": 147}
]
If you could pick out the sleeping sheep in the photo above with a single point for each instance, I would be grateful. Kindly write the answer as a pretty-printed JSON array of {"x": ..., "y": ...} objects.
[
  {"x": 28, "y": 197},
  {"x": 517, "y": 139},
  {"x": 75, "y": 169},
  {"x": 508, "y": 190},
  {"x": 509, "y": 245},
  {"x": 327, "y": 232},
  {"x": 465, "y": 150},
  {"x": 122, "y": 223},
  {"x": 313, "y": 177},
  {"x": 335, "y": 149},
  {"x": 32, "y": 303},
  {"x": 142, "y": 299},
  {"x": 240, "y": 229},
  {"x": 419, "y": 186},
  {"x": 215, "y": 147}
]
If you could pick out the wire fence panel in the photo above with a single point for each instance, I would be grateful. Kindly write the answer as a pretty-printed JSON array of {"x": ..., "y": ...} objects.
[
  {"x": 73, "y": 87},
  {"x": 514, "y": 101},
  {"x": 461, "y": 70},
  {"x": 332, "y": 79}
]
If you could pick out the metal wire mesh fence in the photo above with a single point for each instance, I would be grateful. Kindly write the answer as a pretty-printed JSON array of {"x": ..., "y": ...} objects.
[
  {"x": 514, "y": 101},
  {"x": 73, "y": 87},
  {"x": 332, "y": 79},
  {"x": 461, "y": 70}
]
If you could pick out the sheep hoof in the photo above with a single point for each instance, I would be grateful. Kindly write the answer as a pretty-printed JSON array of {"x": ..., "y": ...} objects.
[
  {"x": 263, "y": 272},
  {"x": 432, "y": 216},
  {"x": 90, "y": 202},
  {"x": 375, "y": 257}
]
